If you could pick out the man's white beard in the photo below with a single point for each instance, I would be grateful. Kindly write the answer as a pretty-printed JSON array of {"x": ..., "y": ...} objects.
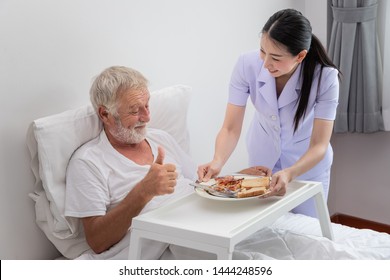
[{"x": 133, "y": 135}]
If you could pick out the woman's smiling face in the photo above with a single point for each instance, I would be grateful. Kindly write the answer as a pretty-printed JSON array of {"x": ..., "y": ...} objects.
[{"x": 277, "y": 60}]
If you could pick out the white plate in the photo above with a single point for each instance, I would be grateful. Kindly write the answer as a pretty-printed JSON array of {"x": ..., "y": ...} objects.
[{"x": 205, "y": 194}]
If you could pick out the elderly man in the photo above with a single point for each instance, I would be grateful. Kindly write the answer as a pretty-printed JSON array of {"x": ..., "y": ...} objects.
[{"x": 127, "y": 169}]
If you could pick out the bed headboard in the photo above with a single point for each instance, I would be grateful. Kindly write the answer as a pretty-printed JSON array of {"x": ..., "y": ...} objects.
[{"x": 51, "y": 142}]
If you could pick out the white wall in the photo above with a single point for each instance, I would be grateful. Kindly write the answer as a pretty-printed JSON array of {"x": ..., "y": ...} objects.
[
  {"x": 50, "y": 50},
  {"x": 315, "y": 11}
]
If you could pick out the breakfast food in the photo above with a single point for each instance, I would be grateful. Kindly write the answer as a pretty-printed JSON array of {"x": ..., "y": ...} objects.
[
  {"x": 242, "y": 187},
  {"x": 229, "y": 183},
  {"x": 251, "y": 192},
  {"x": 256, "y": 182},
  {"x": 254, "y": 187}
]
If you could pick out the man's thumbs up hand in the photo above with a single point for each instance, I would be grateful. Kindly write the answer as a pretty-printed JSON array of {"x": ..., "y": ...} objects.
[
  {"x": 161, "y": 178},
  {"x": 160, "y": 156}
]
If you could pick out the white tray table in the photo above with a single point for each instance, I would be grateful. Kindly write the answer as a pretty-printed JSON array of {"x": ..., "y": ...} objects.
[{"x": 217, "y": 226}]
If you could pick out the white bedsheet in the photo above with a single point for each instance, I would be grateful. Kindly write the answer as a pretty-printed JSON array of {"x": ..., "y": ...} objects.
[{"x": 292, "y": 236}]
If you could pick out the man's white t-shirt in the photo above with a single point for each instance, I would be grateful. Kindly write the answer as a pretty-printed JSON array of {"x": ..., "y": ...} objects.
[{"x": 99, "y": 177}]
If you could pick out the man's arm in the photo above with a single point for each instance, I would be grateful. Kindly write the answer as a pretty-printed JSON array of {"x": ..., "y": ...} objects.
[{"x": 102, "y": 232}]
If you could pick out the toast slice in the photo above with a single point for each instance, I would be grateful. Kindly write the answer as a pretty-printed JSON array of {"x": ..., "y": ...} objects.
[
  {"x": 255, "y": 183},
  {"x": 251, "y": 192}
]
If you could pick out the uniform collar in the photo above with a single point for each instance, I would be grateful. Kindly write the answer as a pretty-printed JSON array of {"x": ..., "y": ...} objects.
[{"x": 290, "y": 92}]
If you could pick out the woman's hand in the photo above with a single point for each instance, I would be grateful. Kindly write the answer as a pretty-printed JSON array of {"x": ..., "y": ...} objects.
[
  {"x": 257, "y": 171},
  {"x": 208, "y": 171},
  {"x": 279, "y": 183}
]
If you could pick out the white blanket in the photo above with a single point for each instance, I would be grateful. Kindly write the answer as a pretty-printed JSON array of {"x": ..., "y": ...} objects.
[{"x": 292, "y": 236}]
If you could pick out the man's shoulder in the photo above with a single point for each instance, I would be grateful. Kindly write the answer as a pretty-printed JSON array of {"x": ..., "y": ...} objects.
[{"x": 89, "y": 148}]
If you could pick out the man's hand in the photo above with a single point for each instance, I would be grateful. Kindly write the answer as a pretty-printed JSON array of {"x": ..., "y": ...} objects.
[{"x": 161, "y": 178}]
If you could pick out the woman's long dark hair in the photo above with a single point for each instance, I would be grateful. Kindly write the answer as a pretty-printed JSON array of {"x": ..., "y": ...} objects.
[{"x": 291, "y": 29}]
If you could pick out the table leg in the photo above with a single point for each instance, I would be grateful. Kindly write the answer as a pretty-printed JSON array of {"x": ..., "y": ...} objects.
[
  {"x": 224, "y": 255},
  {"x": 135, "y": 245},
  {"x": 323, "y": 216}
]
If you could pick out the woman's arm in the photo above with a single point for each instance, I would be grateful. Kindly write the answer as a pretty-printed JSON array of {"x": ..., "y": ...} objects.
[
  {"x": 320, "y": 138},
  {"x": 225, "y": 143}
]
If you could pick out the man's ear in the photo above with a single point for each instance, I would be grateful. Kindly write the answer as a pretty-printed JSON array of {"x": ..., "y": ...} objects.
[
  {"x": 103, "y": 114},
  {"x": 302, "y": 55}
]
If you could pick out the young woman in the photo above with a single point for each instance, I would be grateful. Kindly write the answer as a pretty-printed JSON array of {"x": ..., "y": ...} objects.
[{"x": 294, "y": 87}]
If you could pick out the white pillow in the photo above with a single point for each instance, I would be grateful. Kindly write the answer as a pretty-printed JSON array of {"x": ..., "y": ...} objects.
[
  {"x": 52, "y": 141},
  {"x": 168, "y": 111}
]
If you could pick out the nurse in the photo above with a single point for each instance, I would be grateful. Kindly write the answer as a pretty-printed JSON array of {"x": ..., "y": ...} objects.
[{"x": 294, "y": 87}]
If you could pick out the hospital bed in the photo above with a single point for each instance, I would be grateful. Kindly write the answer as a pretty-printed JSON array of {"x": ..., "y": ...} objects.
[{"x": 52, "y": 140}]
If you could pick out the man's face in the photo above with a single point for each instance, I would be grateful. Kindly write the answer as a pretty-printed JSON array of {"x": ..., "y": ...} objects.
[{"x": 128, "y": 126}]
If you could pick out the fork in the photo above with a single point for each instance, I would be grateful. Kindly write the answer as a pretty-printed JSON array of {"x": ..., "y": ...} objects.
[{"x": 212, "y": 191}]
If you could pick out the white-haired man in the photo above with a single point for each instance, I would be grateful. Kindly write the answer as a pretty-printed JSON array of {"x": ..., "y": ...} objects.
[{"x": 128, "y": 168}]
